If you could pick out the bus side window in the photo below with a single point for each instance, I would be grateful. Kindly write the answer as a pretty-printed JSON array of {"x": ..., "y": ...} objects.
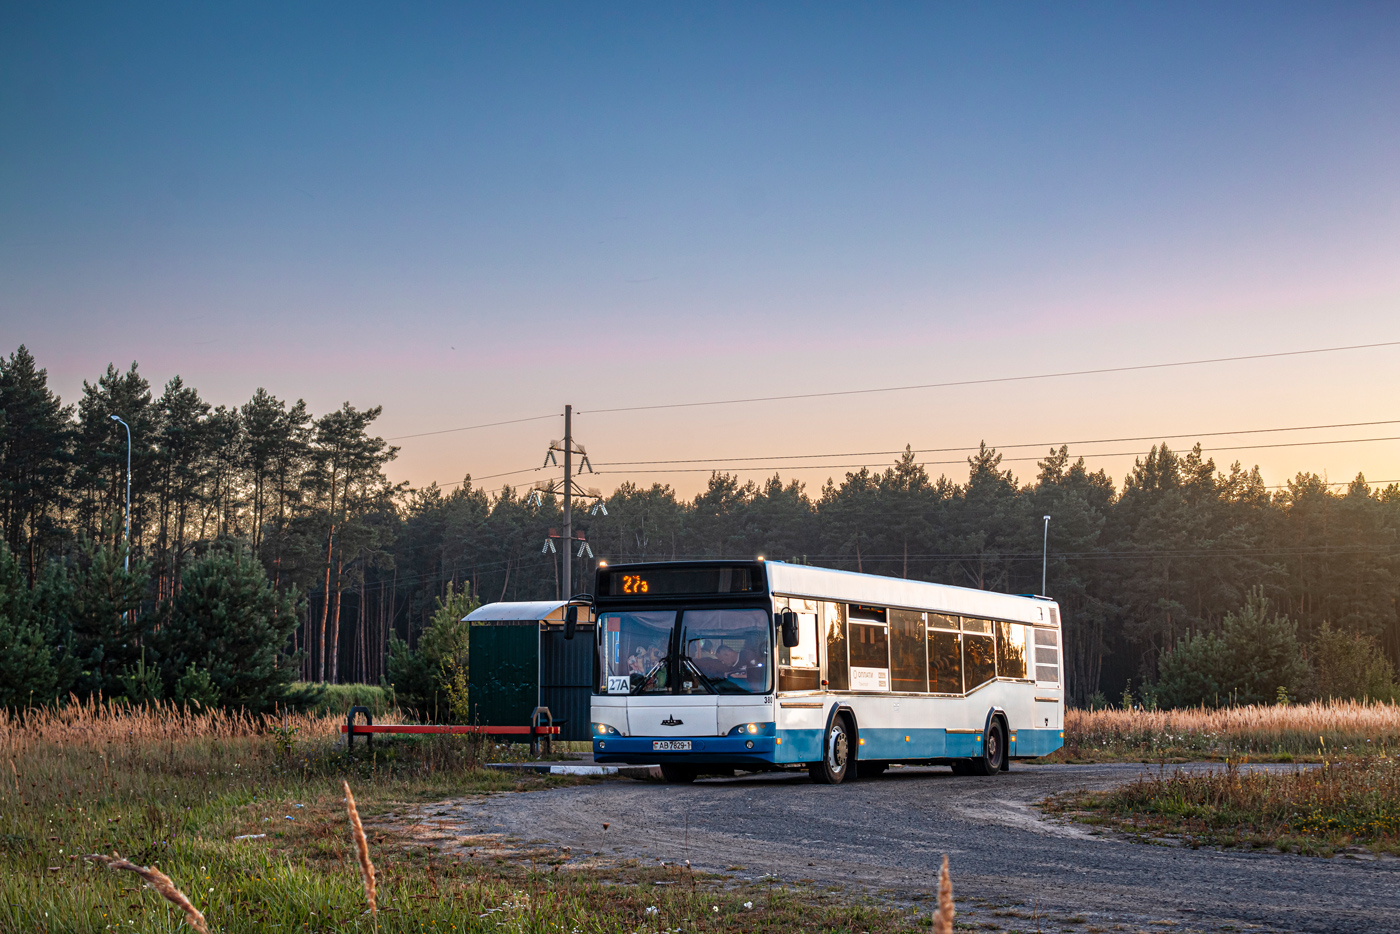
[
  {"x": 1047, "y": 656},
  {"x": 1011, "y": 650},
  {"x": 838, "y": 671},
  {"x": 908, "y": 661},
  {"x": 979, "y": 652},
  {"x": 944, "y": 655}
]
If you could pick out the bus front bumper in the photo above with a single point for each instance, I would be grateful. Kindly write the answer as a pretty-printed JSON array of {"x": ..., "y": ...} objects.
[{"x": 738, "y": 751}]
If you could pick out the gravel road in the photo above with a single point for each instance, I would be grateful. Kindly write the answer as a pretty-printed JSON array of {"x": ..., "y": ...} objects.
[{"x": 889, "y": 834}]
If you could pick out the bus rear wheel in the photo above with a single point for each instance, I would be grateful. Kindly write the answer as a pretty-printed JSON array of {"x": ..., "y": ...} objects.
[
  {"x": 836, "y": 754},
  {"x": 678, "y": 774},
  {"x": 993, "y": 751}
]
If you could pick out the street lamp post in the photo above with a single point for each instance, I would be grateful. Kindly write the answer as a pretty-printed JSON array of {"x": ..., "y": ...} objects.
[
  {"x": 1044, "y": 555},
  {"x": 126, "y": 563}
]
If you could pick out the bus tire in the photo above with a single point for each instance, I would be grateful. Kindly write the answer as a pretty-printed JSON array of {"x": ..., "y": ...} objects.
[
  {"x": 993, "y": 750},
  {"x": 677, "y": 774},
  {"x": 871, "y": 769},
  {"x": 837, "y": 754}
]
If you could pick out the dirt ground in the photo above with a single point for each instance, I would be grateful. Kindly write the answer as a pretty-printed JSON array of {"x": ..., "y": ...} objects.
[{"x": 886, "y": 836}]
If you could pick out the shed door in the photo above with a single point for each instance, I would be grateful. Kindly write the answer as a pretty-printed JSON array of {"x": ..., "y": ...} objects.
[{"x": 504, "y": 668}]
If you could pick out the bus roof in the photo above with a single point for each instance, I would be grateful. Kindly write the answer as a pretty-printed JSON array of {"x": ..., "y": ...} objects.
[{"x": 800, "y": 580}]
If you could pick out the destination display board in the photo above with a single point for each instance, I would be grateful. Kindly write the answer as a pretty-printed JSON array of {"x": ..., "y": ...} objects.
[{"x": 654, "y": 581}]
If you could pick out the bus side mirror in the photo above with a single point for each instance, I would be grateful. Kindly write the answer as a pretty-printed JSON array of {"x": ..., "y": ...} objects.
[
  {"x": 570, "y": 621},
  {"x": 787, "y": 620}
]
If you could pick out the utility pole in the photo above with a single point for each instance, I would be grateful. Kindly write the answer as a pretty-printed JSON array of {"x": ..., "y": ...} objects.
[
  {"x": 571, "y": 491},
  {"x": 1044, "y": 555},
  {"x": 568, "y": 501}
]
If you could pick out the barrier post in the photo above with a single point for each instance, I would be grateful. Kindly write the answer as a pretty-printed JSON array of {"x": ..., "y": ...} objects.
[
  {"x": 350, "y": 732},
  {"x": 535, "y": 731}
]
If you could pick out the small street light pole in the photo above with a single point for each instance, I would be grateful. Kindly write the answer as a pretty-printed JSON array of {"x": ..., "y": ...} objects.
[
  {"x": 126, "y": 564},
  {"x": 1044, "y": 555}
]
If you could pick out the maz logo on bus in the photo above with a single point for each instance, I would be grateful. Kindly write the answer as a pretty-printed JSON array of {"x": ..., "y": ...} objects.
[{"x": 633, "y": 583}]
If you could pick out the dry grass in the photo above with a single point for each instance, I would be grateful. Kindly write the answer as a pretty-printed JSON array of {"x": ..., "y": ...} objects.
[
  {"x": 357, "y": 829},
  {"x": 252, "y": 833},
  {"x": 1318, "y": 810},
  {"x": 1282, "y": 733},
  {"x": 943, "y": 916},
  {"x": 161, "y": 883}
]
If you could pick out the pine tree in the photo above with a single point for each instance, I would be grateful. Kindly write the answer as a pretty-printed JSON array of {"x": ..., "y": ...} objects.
[
  {"x": 35, "y": 439},
  {"x": 35, "y": 667},
  {"x": 228, "y": 621}
]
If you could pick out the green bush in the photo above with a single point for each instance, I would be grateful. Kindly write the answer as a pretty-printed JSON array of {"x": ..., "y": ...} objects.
[
  {"x": 1349, "y": 666},
  {"x": 419, "y": 679},
  {"x": 1252, "y": 656},
  {"x": 195, "y": 687},
  {"x": 339, "y": 698}
]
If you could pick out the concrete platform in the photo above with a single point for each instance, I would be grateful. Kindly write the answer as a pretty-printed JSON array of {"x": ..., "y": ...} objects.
[{"x": 580, "y": 768}]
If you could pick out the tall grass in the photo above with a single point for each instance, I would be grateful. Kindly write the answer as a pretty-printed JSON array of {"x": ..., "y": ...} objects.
[
  {"x": 1311, "y": 809},
  {"x": 214, "y": 806},
  {"x": 1283, "y": 731}
]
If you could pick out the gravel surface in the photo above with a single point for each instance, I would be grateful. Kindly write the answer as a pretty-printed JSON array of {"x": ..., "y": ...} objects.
[{"x": 888, "y": 835}]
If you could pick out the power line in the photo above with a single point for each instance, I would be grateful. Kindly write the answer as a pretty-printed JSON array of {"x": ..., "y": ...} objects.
[
  {"x": 996, "y": 379},
  {"x": 444, "y": 431},
  {"x": 767, "y": 467},
  {"x": 999, "y": 447},
  {"x": 1380, "y": 483}
]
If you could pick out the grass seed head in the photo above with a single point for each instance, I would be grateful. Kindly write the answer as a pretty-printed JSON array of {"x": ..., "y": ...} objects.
[
  {"x": 943, "y": 917},
  {"x": 361, "y": 848},
  {"x": 161, "y": 883}
]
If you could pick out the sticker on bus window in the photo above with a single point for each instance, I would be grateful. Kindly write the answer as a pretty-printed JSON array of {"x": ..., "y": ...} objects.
[
  {"x": 870, "y": 679},
  {"x": 619, "y": 684}
]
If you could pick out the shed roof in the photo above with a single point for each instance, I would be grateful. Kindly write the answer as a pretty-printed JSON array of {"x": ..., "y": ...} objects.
[{"x": 552, "y": 610}]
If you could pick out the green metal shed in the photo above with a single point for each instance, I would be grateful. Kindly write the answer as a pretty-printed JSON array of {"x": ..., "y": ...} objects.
[{"x": 520, "y": 660}]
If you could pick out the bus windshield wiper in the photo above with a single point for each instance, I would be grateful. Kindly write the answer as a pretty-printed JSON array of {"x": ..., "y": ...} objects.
[
  {"x": 704, "y": 679},
  {"x": 650, "y": 676}
]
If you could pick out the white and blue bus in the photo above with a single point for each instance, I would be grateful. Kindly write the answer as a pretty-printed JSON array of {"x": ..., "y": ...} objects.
[{"x": 711, "y": 666}]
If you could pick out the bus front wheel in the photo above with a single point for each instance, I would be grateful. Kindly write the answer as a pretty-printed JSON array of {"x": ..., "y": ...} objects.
[{"x": 837, "y": 751}]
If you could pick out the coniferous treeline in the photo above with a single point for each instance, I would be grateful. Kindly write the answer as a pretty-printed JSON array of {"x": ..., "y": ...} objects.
[{"x": 1168, "y": 558}]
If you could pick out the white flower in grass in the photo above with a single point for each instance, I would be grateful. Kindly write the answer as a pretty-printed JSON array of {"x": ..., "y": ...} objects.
[
  {"x": 748, "y": 905},
  {"x": 653, "y": 910}
]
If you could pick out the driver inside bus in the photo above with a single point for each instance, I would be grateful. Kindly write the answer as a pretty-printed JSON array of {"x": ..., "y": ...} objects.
[{"x": 719, "y": 664}]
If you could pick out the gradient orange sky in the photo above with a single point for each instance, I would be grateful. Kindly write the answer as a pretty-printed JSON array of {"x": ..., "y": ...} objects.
[{"x": 470, "y": 215}]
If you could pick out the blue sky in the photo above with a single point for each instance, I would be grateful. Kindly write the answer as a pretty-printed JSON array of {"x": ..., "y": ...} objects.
[{"x": 471, "y": 213}]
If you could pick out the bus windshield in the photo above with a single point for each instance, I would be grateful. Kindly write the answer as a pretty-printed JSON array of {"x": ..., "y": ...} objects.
[{"x": 719, "y": 652}]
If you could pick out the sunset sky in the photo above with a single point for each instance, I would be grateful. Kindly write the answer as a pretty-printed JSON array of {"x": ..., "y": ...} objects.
[{"x": 472, "y": 214}]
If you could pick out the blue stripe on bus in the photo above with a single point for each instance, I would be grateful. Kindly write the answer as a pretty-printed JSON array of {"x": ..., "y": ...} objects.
[
  {"x": 895, "y": 744},
  {"x": 793, "y": 746}
]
